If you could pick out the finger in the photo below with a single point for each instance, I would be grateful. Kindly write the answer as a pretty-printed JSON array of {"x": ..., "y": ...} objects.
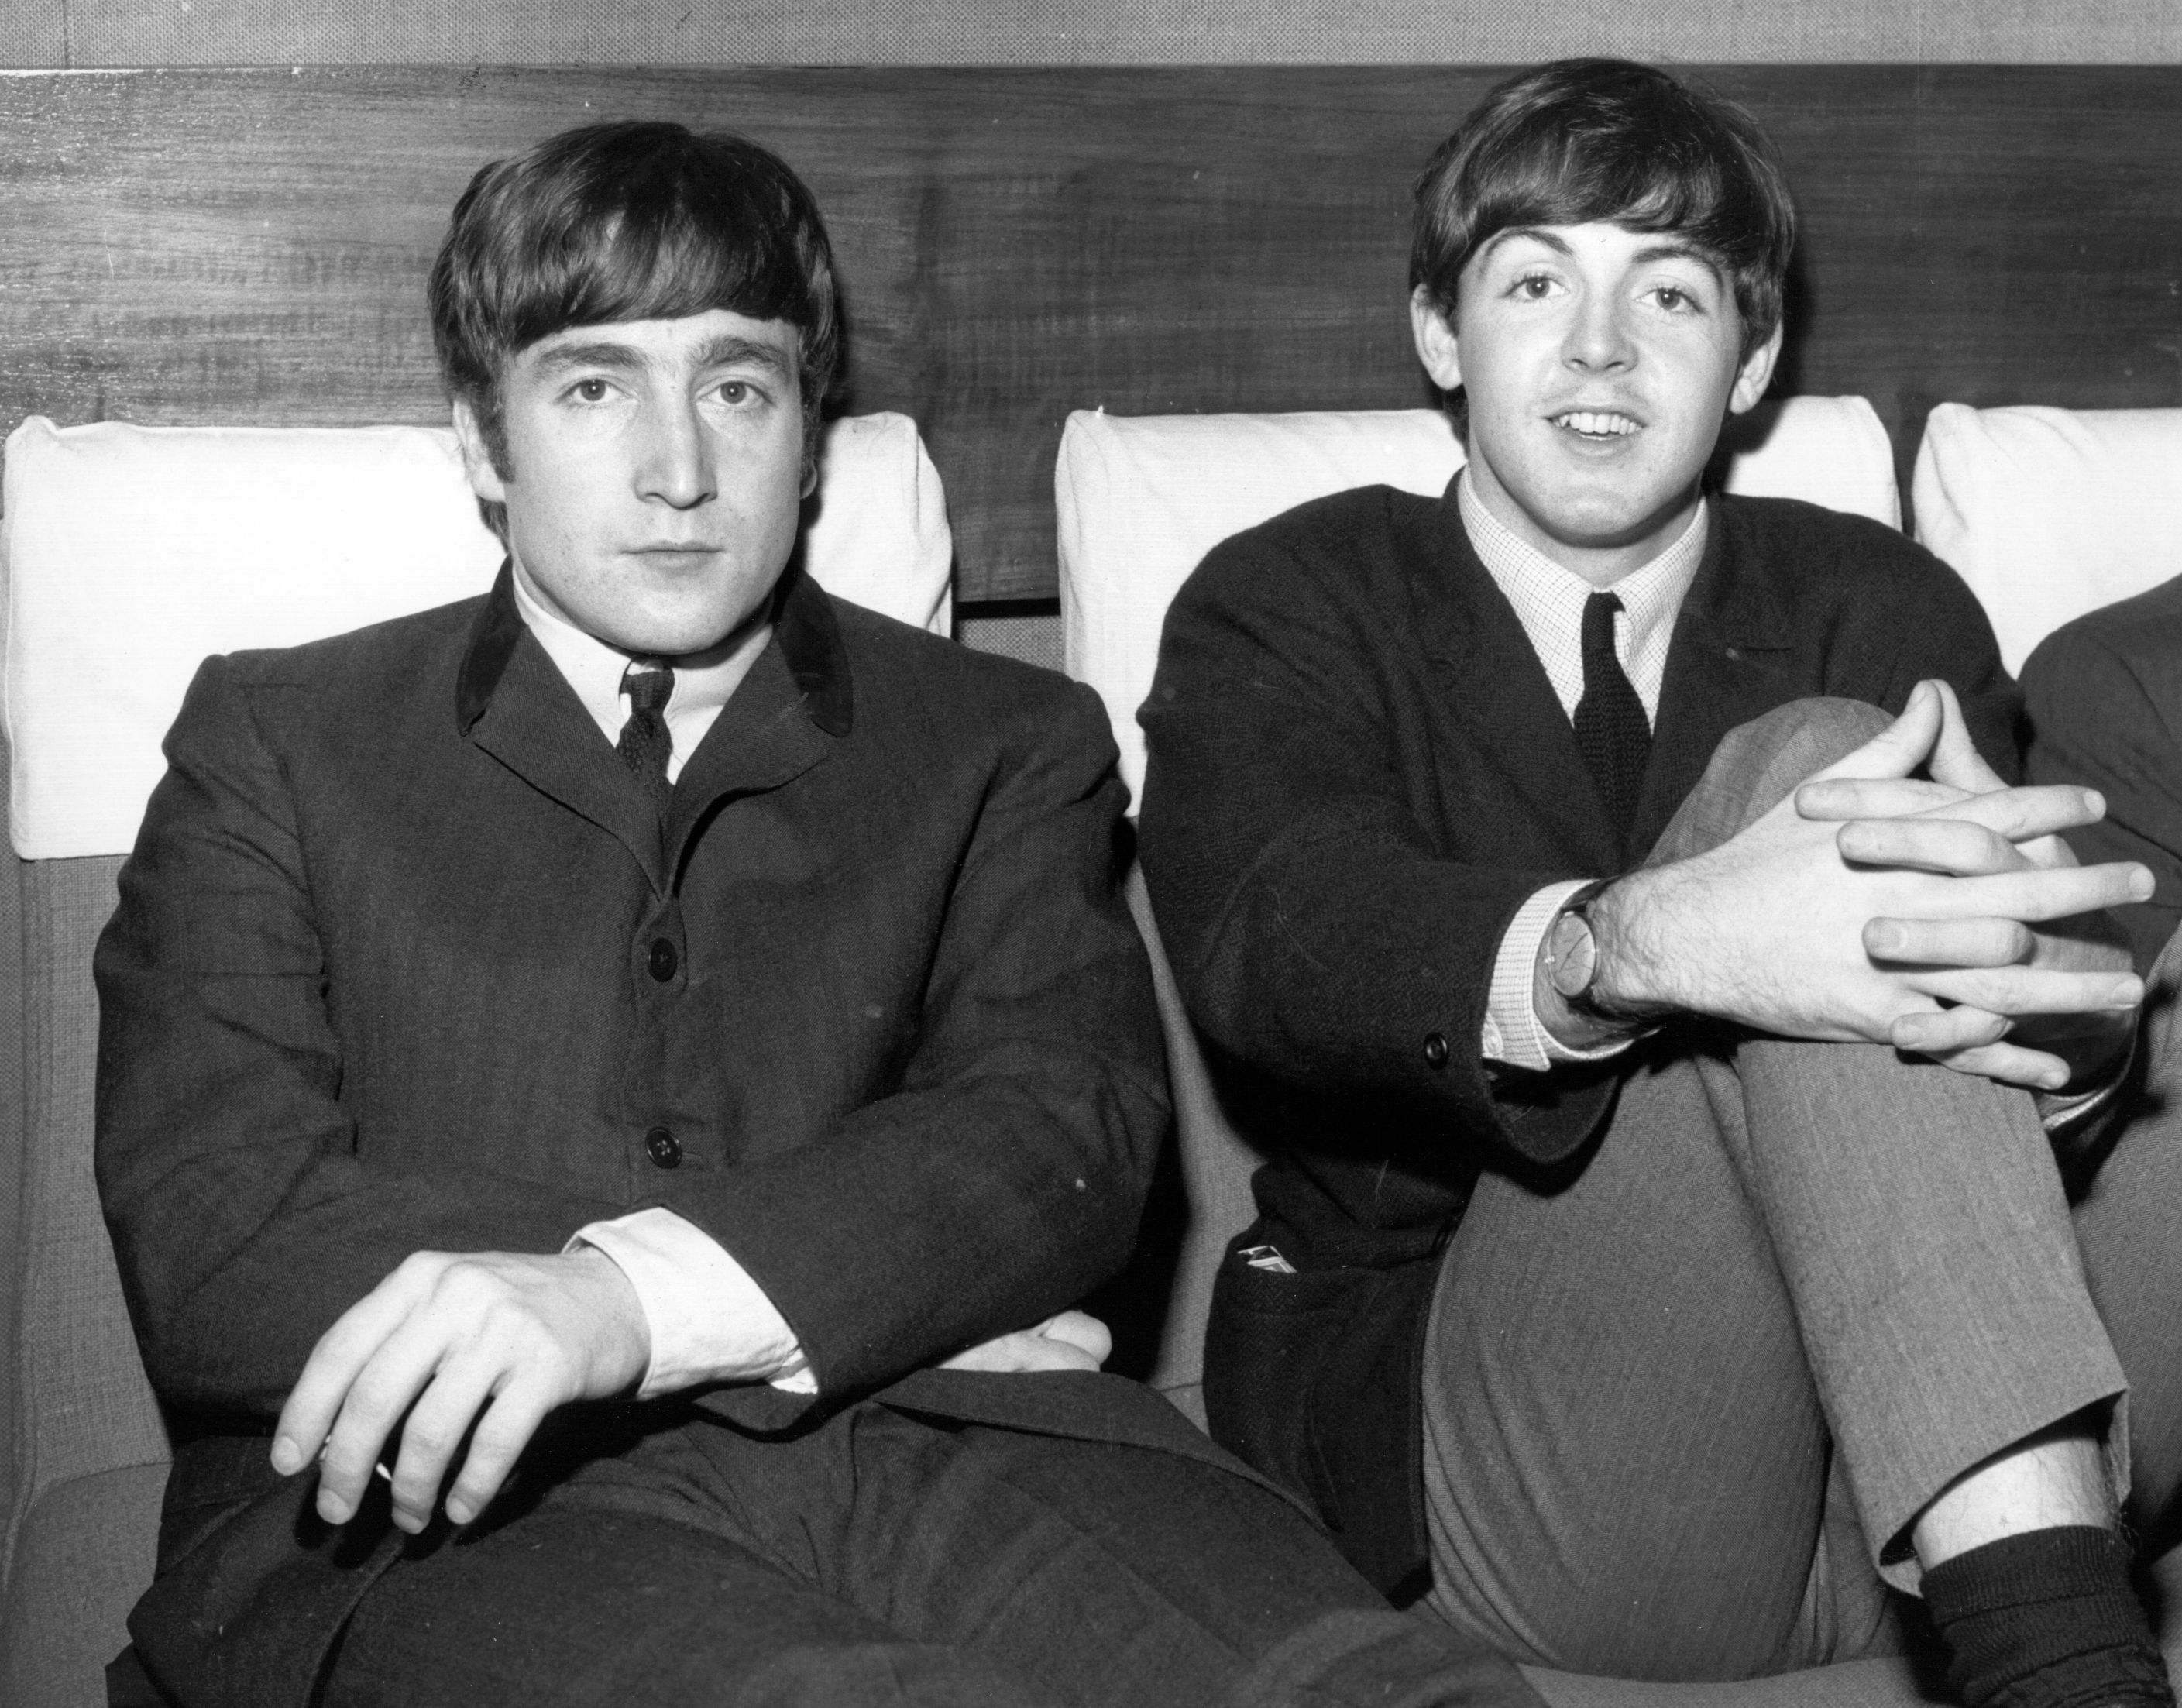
[
  {"x": 2011, "y": 1064},
  {"x": 2019, "y": 991},
  {"x": 1955, "y": 758},
  {"x": 1950, "y": 942},
  {"x": 1898, "y": 749},
  {"x": 1021, "y": 1353},
  {"x": 342, "y": 1351},
  {"x": 1942, "y": 1032},
  {"x": 1830, "y": 798},
  {"x": 503, "y": 1432},
  {"x": 1953, "y": 846},
  {"x": 383, "y": 1392},
  {"x": 2058, "y": 892},
  {"x": 1080, "y": 1329},
  {"x": 432, "y": 1438},
  {"x": 2033, "y": 810}
]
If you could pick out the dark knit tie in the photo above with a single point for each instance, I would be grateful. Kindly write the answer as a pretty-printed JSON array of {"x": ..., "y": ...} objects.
[
  {"x": 1611, "y": 730},
  {"x": 646, "y": 744}
]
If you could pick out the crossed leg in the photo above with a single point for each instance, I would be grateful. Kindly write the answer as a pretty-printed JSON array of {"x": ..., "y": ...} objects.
[{"x": 1786, "y": 1266}]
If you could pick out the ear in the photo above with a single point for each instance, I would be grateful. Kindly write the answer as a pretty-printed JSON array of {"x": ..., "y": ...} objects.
[
  {"x": 1435, "y": 339},
  {"x": 1755, "y": 375},
  {"x": 477, "y": 459}
]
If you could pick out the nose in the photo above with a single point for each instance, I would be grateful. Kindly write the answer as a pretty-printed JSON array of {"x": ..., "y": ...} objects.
[
  {"x": 676, "y": 466},
  {"x": 1598, "y": 340}
]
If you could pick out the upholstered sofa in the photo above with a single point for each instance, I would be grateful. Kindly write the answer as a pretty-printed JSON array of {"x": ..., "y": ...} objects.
[{"x": 130, "y": 553}]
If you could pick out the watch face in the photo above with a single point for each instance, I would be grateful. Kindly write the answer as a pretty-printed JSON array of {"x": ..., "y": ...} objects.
[{"x": 1575, "y": 954}]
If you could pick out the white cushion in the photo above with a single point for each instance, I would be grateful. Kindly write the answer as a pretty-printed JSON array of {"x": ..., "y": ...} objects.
[
  {"x": 1142, "y": 499},
  {"x": 2048, "y": 513},
  {"x": 132, "y": 552}
]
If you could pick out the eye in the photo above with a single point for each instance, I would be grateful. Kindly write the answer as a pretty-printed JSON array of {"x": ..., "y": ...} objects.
[
  {"x": 1677, "y": 301},
  {"x": 734, "y": 391},
  {"x": 590, "y": 391},
  {"x": 1533, "y": 287}
]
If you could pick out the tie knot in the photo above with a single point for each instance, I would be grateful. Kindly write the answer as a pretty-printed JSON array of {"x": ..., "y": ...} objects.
[
  {"x": 650, "y": 684},
  {"x": 1598, "y": 619}
]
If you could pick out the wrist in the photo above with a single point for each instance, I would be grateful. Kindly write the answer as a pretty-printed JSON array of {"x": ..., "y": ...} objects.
[
  {"x": 1629, "y": 982},
  {"x": 1581, "y": 990}
]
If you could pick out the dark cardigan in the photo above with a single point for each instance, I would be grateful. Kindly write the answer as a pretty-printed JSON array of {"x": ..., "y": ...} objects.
[{"x": 1359, "y": 771}]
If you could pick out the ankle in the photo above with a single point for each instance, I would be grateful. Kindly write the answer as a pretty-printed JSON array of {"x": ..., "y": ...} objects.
[{"x": 2046, "y": 1619}]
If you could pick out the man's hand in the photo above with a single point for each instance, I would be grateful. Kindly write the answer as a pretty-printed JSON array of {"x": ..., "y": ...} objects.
[
  {"x": 1770, "y": 928},
  {"x": 1991, "y": 834},
  {"x": 481, "y": 1344},
  {"x": 1069, "y": 1341}
]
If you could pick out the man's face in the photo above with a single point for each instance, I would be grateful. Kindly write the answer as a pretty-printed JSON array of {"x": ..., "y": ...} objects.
[
  {"x": 655, "y": 473},
  {"x": 1599, "y": 364}
]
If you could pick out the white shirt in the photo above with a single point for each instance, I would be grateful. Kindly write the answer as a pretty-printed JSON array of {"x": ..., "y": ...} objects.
[
  {"x": 1549, "y": 600},
  {"x": 709, "y": 1320}
]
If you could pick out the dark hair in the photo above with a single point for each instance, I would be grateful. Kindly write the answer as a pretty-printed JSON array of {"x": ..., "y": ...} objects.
[
  {"x": 632, "y": 221},
  {"x": 1581, "y": 140}
]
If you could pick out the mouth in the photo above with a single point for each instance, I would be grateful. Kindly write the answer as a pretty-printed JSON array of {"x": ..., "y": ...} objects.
[{"x": 1599, "y": 426}]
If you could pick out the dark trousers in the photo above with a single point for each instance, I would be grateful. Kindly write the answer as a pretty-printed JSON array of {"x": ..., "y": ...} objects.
[
  {"x": 888, "y": 1558},
  {"x": 1681, "y": 1401}
]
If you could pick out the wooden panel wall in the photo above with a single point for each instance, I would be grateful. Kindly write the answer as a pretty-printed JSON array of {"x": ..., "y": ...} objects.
[{"x": 250, "y": 246}]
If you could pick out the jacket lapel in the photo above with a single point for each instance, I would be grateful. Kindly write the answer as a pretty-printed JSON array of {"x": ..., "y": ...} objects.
[
  {"x": 512, "y": 703},
  {"x": 783, "y": 718},
  {"x": 1490, "y": 680}
]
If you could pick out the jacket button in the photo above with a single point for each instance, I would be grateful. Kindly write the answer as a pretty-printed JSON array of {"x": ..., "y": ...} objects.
[
  {"x": 664, "y": 959},
  {"x": 1435, "y": 1049},
  {"x": 664, "y": 1148}
]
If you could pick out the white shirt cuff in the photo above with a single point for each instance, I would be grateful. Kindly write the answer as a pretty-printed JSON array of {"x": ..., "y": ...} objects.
[
  {"x": 709, "y": 1322},
  {"x": 1513, "y": 1034}
]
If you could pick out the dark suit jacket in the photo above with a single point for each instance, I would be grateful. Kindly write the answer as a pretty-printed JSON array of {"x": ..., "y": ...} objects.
[
  {"x": 1359, "y": 771},
  {"x": 387, "y": 976},
  {"x": 2102, "y": 699}
]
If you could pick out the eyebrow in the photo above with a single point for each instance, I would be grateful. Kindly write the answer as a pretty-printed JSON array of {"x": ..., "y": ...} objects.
[
  {"x": 730, "y": 349},
  {"x": 598, "y": 353},
  {"x": 727, "y": 349},
  {"x": 1669, "y": 250}
]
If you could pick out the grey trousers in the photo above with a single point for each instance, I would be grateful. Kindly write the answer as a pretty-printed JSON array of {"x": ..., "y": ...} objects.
[{"x": 1680, "y": 1407}]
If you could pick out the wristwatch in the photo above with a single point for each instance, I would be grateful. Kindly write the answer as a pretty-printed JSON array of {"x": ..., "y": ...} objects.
[{"x": 1572, "y": 959}]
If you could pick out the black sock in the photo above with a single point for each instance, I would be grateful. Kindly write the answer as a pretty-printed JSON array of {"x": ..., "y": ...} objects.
[{"x": 2047, "y": 1619}]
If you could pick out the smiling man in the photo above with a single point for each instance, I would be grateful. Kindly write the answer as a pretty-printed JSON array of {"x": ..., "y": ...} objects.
[
  {"x": 606, "y": 1090},
  {"x": 1634, "y": 1286}
]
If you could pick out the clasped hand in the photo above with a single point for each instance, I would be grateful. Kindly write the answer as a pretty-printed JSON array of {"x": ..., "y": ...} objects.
[{"x": 1941, "y": 914}]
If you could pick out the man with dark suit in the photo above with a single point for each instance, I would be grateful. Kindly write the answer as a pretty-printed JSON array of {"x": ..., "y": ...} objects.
[
  {"x": 2102, "y": 699},
  {"x": 607, "y": 1089},
  {"x": 1617, "y": 1329}
]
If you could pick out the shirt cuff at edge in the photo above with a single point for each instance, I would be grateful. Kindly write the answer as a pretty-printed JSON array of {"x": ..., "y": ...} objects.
[
  {"x": 710, "y": 1321},
  {"x": 1513, "y": 1033}
]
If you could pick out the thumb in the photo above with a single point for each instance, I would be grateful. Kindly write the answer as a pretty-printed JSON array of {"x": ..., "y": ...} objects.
[
  {"x": 1956, "y": 760},
  {"x": 1901, "y": 747}
]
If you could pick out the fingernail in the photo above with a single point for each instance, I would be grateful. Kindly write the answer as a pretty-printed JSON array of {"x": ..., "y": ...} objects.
[
  {"x": 333, "y": 1509},
  {"x": 2094, "y": 803},
  {"x": 1886, "y": 939},
  {"x": 458, "y": 1510},
  {"x": 287, "y": 1456},
  {"x": 2054, "y": 1081},
  {"x": 2141, "y": 885},
  {"x": 2127, "y": 993}
]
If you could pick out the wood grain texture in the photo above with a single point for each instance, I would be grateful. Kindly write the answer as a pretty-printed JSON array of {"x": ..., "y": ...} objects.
[
  {"x": 1084, "y": 32},
  {"x": 246, "y": 246}
]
